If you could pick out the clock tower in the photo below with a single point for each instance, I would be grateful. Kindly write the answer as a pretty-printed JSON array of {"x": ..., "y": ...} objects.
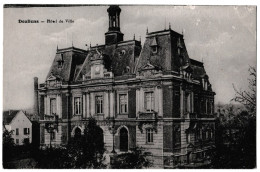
[
  {"x": 114, "y": 34},
  {"x": 97, "y": 65}
]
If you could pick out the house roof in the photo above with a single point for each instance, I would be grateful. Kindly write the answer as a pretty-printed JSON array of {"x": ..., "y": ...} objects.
[{"x": 8, "y": 116}]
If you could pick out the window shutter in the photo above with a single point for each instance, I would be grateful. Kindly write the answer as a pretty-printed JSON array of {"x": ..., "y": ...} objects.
[
  {"x": 64, "y": 106},
  {"x": 64, "y": 134},
  {"x": 132, "y": 103},
  {"x": 42, "y": 134}
]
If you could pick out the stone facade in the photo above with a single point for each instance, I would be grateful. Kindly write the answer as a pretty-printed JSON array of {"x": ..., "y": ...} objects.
[{"x": 157, "y": 97}]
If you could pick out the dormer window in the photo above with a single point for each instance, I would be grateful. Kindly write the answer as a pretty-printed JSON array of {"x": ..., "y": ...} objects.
[
  {"x": 154, "y": 48},
  {"x": 179, "y": 51},
  {"x": 60, "y": 61},
  {"x": 154, "y": 45},
  {"x": 121, "y": 53}
]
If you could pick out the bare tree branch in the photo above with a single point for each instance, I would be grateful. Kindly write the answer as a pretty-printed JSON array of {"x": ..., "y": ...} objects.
[{"x": 248, "y": 97}]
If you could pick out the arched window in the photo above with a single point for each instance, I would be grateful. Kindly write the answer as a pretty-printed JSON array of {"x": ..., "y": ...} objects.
[{"x": 100, "y": 135}]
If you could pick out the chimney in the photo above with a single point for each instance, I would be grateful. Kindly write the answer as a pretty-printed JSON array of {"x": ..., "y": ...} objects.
[{"x": 36, "y": 107}]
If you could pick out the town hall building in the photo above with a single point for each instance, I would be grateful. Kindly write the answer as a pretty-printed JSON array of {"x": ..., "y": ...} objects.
[{"x": 152, "y": 96}]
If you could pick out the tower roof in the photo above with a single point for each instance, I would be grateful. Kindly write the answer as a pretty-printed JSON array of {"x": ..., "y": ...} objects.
[{"x": 114, "y": 9}]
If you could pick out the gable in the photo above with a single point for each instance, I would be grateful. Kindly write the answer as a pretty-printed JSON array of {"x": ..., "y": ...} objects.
[{"x": 20, "y": 120}]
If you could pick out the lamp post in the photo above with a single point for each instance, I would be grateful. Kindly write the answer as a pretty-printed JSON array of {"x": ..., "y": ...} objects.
[{"x": 51, "y": 126}]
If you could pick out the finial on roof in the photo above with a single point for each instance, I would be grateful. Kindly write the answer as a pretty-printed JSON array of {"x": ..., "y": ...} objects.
[
  {"x": 57, "y": 47},
  {"x": 147, "y": 30},
  {"x": 90, "y": 44},
  {"x": 134, "y": 37},
  {"x": 169, "y": 26},
  {"x": 140, "y": 38},
  {"x": 182, "y": 32},
  {"x": 72, "y": 39}
]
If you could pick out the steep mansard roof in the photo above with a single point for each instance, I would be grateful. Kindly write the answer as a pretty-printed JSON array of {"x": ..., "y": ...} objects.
[
  {"x": 167, "y": 57},
  {"x": 128, "y": 56},
  {"x": 118, "y": 57},
  {"x": 198, "y": 69},
  {"x": 71, "y": 59}
]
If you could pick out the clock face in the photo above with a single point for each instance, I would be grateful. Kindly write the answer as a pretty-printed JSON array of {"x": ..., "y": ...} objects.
[{"x": 97, "y": 69}]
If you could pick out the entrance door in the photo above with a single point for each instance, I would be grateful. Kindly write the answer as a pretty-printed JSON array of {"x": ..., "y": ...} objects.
[
  {"x": 188, "y": 157},
  {"x": 123, "y": 140},
  {"x": 77, "y": 134}
]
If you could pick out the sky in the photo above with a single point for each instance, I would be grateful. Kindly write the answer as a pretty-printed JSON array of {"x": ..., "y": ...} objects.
[{"x": 223, "y": 37}]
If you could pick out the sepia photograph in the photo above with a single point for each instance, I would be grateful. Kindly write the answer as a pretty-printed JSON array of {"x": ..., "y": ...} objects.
[{"x": 113, "y": 86}]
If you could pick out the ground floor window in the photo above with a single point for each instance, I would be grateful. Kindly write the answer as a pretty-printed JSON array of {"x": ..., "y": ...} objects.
[
  {"x": 26, "y": 141},
  {"x": 149, "y": 135}
]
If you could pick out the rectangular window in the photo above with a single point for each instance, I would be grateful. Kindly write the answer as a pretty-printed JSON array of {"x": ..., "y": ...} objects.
[
  {"x": 26, "y": 141},
  {"x": 53, "y": 136},
  {"x": 77, "y": 105},
  {"x": 99, "y": 104},
  {"x": 53, "y": 106},
  {"x": 17, "y": 141},
  {"x": 26, "y": 131},
  {"x": 149, "y": 101},
  {"x": 149, "y": 135},
  {"x": 17, "y": 131},
  {"x": 123, "y": 103}
]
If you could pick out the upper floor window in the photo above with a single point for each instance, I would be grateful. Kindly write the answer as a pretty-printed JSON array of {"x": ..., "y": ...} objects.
[
  {"x": 53, "y": 106},
  {"x": 17, "y": 131},
  {"x": 123, "y": 103},
  {"x": 26, "y": 131},
  {"x": 99, "y": 104},
  {"x": 149, "y": 135},
  {"x": 149, "y": 101},
  {"x": 77, "y": 105}
]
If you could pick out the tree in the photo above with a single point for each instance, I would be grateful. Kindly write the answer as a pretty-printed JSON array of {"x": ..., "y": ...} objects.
[
  {"x": 8, "y": 146},
  {"x": 248, "y": 97},
  {"x": 136, "y": 159},
  {"x": 247, "y": 120},
  {"x": 86, "y": 151},
  {"x": 236, "y": 132}
]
